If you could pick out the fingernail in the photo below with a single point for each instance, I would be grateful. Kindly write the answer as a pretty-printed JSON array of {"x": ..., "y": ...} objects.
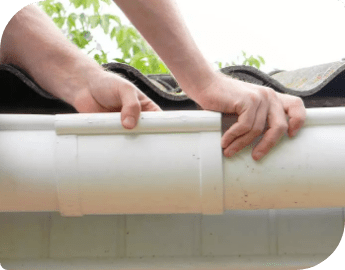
[
  {"x": 258, "y": 155},
  {"x": 129, "y": 122}
]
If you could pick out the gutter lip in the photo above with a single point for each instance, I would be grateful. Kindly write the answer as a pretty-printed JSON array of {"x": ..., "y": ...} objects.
[
  {"x": 149, "y": 122},
  {"x": 25, "y": 122},
  {"x": 110, "y": 123},
  {"x": 325, "y": 116}
]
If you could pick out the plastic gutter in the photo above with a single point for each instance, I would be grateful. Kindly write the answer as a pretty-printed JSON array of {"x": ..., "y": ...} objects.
[
  {"x": 172, "y": 163},
  {"x": 82, "y": 164}
]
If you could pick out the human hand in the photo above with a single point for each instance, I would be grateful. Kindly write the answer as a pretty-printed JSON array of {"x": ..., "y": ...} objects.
[
  {"x": 255, "y": 106},
  {"x": 67, "y": 73},
  {"x": 108, "y": 92}
]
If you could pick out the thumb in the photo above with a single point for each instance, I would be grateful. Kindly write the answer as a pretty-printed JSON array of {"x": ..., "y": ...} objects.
[{"x": 131, "y": 108}]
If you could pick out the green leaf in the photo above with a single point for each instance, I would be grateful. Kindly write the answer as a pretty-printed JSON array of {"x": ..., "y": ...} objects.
[
  {"x": 96, "y": 5},
  {"x": 77, "y": 3},
  {"x": 163, "y": 68},
  {"x": 254, "y": 62},
  {"x": 79, "y": 38},
  {"x": 48, "y": 7},
  {"x": 126, "y": 48},
  {"x": 87, "y": 3},
  {"x": 133, "y": 33},
  {"x": 87, "y": 35},
  {"x": 115, "y": 18},
  {"x": 105, "y": 57},
  {"x": 94, "y": 20},
  {"x": 120, "y": 36},
  {"x": 136, "y": 49},
  {"x": 59, "y": 7},
  {"x": 82, "y": 18},
  {"x": 137, "y": 59},
  {"x": 113, "y": 33},
  {"x": 105, "y": 23},
  {"x": 101, "y": 59},
  {"x": 120, "y": 60},
  {"x": 97, "y": 58},
  {"x": 59, "y": 21},
  {"x": 262, "y": 60},
  {"x": 71, "y": 21}
]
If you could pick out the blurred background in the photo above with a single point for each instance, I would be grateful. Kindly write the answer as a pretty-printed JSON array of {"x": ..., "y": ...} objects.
[{"x": 266, "y": 34}]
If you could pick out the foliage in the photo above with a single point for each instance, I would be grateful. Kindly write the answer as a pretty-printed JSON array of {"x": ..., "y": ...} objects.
[
  {"x": 257, "y": 61},
  {"x": 78, "y": 29}
]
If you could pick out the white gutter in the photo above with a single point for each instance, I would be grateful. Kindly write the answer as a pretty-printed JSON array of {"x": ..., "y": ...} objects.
[{"x": 171, "y": 163}]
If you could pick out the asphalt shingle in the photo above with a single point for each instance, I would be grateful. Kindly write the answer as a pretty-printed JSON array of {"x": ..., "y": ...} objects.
[{"x": 318, "y": 86}]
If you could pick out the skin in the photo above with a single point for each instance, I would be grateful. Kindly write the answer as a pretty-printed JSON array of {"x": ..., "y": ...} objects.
[{"x": 32, "y": 42}]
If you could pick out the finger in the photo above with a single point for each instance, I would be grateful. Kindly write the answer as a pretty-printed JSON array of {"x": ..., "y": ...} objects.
[
  {"x": 150, "y": 106},
  {"x": 296, "y": 111},
  {"x": 244, "y": 124},
  {"x": 297, "y": 114},
  {"x": 147, "y": 104},
  {"x": 131, "y": 108},
  {"x": 278, "y": 126},
  {"x": 245, "y": 140}
]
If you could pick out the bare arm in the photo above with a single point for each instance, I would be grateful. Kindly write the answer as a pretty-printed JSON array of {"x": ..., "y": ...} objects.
[
  {"x": 32, "y": 42},
  {"x": 161, "y": 24}
]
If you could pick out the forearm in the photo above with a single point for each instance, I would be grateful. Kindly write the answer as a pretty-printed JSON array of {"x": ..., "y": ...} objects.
[
  {"x": 32, "y": 42},
  {"x": 161, "y": 24}
]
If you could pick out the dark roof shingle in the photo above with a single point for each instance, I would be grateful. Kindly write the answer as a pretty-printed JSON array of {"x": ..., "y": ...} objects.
[{"x": 318, "y": 86}]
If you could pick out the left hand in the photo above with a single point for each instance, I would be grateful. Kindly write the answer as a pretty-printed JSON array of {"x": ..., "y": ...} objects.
[{"x": 108, "y": 92}]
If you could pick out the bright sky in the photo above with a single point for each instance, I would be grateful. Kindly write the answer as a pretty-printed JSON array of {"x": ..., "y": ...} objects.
[{"x": 289, "y": 34}]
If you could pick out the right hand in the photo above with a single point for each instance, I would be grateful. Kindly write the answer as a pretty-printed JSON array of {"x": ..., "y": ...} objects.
[{"x": 255, "y": 105}]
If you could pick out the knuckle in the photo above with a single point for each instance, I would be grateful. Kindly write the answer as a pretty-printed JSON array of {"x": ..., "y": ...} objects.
[
  {"x": 272, "y": 94},
  {"x": 127, "y": 86},
  {"x": 255, "y": 97},
  {"x": 269, "y": 93},
  {"x": 264, "y": 92},
  {"x": 298, "y": 102}
]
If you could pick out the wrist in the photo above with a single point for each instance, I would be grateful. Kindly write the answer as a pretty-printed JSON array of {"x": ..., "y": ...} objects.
[
  {"x": 210, "y": 95},
  {"x": 32, "y": 42},
  {"x": 195, "y": 76},
  {"x": 67, "y": 77}
]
